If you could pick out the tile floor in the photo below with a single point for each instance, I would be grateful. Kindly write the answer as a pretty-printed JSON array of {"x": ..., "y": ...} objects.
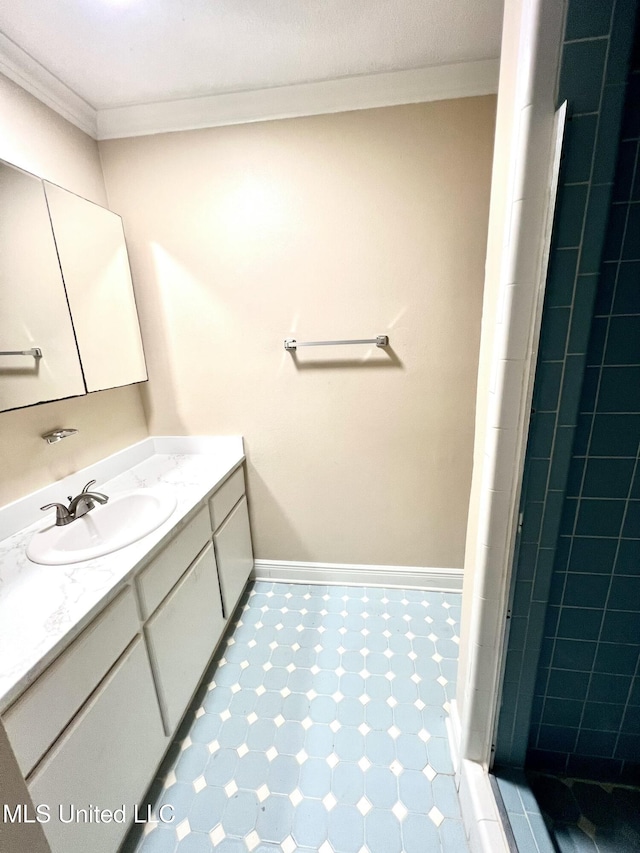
[
  {"x": 320, "y": 727},
  {"x": 587, "y": 817}
]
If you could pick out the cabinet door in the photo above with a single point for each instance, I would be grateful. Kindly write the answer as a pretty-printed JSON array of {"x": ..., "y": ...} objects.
[
  {"x": 182, "y": 636},
  {"x": 33, "y": 305},
  {"x": 95, "y": 268},
  {"x": 105, "y": 759},
  {"x": 234, "y": 555}
]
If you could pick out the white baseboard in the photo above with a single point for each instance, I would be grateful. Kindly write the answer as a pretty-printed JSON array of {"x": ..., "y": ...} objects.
[{"x": 403, "y": 577}]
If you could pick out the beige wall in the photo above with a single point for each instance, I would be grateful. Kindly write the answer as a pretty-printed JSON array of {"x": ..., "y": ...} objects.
[
  {"x": 35, "y": 138},
  {"x": 339, "y": 226}
]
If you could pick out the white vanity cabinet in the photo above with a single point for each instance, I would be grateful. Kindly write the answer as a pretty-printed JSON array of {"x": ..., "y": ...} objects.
[
  {"x": 232, "y": 539},
  {"x": 91, "y": 731},
  {"x": 105, "y": 759},
  {"x": 182, "y": 635}
]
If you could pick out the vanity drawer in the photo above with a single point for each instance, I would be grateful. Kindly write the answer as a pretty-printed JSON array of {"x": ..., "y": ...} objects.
[
  {"x": 45, "y": 708},
  {"x": 164, "y": 571},
  {"x": 226, "y": 498},
  {"x": 182, "y": 635},
  {"x": 105, "y": 759}
]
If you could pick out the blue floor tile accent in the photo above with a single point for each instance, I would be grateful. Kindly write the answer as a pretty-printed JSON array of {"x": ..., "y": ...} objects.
[
  {"x": 548, "y": 813},
  {"x": 320, "y": 727}
]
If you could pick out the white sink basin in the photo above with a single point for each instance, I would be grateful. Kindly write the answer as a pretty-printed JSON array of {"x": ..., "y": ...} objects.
[{"x": 125, "y": 519}]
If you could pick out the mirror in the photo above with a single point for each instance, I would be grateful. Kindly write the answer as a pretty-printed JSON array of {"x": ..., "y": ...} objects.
[
  {"x": 95, "y": 268},
  {"x": 33, "y": 306},
  {"x": 68, "y": 318}
]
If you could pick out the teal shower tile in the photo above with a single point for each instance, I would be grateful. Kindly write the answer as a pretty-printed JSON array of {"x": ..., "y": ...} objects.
[
  {"x": 612, "y": 248},
  {"x": 606, "y": 288},
  {"x": 541, "y": 431},
  {"x": 572, "y": 202},
  {"x": 532, "y": 521},
  {"x": 596, "y": 743},
  {"x": 631, "y": 243},
  {"x": 561, "y": 278},
  {"x": 628, "y": 558},
  {"x": 582, "y": 431},
  {"x": 553, "y": 336},
  {"x": 602, "y": 716},
  {"x": 625, "y": 169},
  {"x": 627, "y": 295},
  {"x": 586, "y": 590},
  {"x": 576, "y": 655},
  {"x": 597, "y": 341},
  {"x": 628, "y": 747},
  {"x": 616, "y": 658},
  {"x": 620, "y": 626},
  {"x": 625, "y": 595},
  {"x": 582, "y": 74},
  {"x": 579, "y": 624},
  {"x": 579, "y": 144},
  {"x": 615, "y": 435},
  {"x": 631, "y": 528},
  {"x": 600, "y": 517},
  {"x": 586, "y": 19},
  {"x": 594, "y": 232},
  {"x": 565, "y": 684},
  {"x": 609, "y": 688},
  {"x": 623, "y": 344},
  {"x": 557, "y": 738},
  {"x": 621, "y": 40},
  {"x": 608, "y": 478},
  {"x": 563, "y": 439},
  {"x": 631, "y": 723},
  {"x": 562, "y": 712},
  {"x": 611, "y": 113},
  {"x": 568, "y": 518},
  {"x": 582, "y": 314},
  {"x": 592, "y": 555},
  {"x": 547, "y": 386},
  {"x": 552, "y": 519},
  {"x": 574, "y": 478},
  {"x": 590, "y": 388}
]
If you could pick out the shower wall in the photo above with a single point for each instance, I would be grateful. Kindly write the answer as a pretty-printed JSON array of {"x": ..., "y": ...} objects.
[
  {"x": 574, "y": 575},
  {"x": 587, "y": 699}
]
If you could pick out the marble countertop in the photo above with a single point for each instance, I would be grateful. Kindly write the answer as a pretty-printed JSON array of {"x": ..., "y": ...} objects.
[{"x": 43, "y": 608}]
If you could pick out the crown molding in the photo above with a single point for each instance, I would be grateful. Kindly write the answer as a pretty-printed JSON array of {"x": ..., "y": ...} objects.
[
  {"x": 460, "y": 80},
  {"x": 20, "y": 67}
]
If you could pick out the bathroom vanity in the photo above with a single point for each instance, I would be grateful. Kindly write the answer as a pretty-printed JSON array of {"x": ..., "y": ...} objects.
[{"x": 100, "y": 659}]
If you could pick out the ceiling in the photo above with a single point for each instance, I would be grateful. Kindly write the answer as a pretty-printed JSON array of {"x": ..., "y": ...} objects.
[{"x": 104, "y": 55}]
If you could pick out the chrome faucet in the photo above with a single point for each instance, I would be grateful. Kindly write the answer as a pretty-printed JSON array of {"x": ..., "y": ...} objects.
[{"x": 78, "y": 506}]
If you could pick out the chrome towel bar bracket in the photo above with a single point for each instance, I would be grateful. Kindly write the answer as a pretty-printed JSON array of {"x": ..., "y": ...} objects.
[
  {"x": 34, "y": 352},
  {"x": 379, "y": 341}
]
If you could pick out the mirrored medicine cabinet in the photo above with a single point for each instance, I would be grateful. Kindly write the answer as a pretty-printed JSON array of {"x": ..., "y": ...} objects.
[{"x": 68, "y": 319}]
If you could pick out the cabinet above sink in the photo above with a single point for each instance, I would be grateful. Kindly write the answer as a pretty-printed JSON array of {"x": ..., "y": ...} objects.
[{"x": 68, "y": 319}]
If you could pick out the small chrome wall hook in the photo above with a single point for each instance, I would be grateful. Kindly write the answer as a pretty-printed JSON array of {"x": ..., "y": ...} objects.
[{"x": 58, "y": 434}]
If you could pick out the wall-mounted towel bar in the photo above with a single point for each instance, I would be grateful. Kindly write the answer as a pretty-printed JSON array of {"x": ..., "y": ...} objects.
[
  {"x": 34, "y": 352},
  {"x": 379, "y": 341}
]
